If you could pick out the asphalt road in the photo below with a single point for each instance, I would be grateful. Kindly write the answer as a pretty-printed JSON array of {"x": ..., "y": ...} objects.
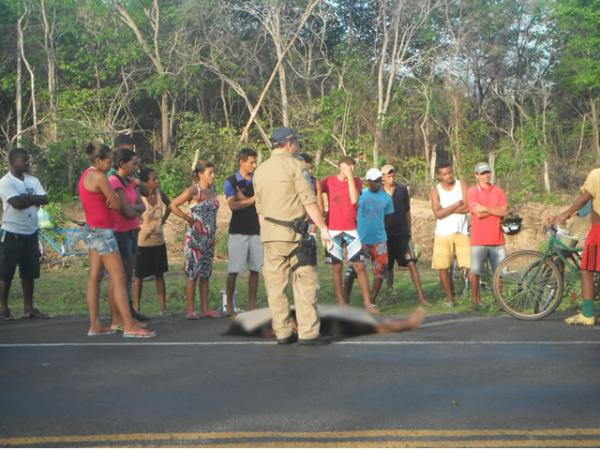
[{"x": 458, "y": 381}]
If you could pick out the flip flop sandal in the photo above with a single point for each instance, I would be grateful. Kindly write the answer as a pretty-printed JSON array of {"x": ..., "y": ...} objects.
[
  {"x": 102, "y": 331},
  {"x": 193, "y": 316},
  {"x": 142, "y": 333},
  {"x": 212, "y": 314},
  {"x": 373, "y": 309},
  {"x": 117, "y": 328},
  {"x": 35, "y": 314}
]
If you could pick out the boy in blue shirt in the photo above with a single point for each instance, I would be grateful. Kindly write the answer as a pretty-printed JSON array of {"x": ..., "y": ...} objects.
[{"x": 374, "y": 204}]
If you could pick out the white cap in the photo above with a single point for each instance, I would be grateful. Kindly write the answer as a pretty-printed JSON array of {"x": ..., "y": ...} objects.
[{"x": 373, "y": 174}]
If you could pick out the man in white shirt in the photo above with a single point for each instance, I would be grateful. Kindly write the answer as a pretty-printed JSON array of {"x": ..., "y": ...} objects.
[
  {"x": 21, "y": 196},
  {"x": 449, "y": 205}
]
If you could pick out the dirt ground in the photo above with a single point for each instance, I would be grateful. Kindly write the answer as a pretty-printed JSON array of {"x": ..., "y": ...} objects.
[{"x": 530, "y": 237}]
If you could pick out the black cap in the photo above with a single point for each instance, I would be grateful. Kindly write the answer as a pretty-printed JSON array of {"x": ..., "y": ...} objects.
[{"x": 282, "y": 135}]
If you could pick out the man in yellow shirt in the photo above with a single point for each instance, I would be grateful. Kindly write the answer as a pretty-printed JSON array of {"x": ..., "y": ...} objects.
[{"x": 590, "y": 260}]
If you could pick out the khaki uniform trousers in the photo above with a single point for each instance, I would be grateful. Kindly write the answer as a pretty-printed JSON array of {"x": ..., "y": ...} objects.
[{"x": 305, "y": 283}]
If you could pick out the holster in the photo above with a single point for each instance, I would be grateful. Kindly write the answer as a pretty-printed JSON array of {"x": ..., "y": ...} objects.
[{"x": 306, "y": 252}]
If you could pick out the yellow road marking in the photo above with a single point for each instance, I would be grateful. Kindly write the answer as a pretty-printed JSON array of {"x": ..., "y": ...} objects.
[{"x": 530, "y": 435}]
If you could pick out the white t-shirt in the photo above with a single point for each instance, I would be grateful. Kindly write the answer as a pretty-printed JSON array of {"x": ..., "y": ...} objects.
[{"x": 19, "y": 221}]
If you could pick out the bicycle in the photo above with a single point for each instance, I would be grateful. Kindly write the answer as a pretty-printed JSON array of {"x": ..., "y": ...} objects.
[
  {"x": 63, "y": 243},
  {"x": 460, "y": 278},
  {"x": 529, "y": 284}
]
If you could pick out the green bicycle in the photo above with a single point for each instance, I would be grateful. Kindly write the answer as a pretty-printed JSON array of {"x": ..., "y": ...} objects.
[{"x": 529, "y": 285}]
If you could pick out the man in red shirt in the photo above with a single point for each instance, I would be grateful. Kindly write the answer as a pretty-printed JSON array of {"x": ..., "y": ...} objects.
[
  {"x": 342, "y": 192},
  {"x": 487, "y": 206}
]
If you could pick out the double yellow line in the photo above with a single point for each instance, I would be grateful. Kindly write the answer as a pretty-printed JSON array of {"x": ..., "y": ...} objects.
[{"x": 553, "y": 437}]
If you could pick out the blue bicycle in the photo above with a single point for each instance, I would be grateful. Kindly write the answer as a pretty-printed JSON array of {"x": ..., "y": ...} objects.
[{"x": 62, "y": 245}]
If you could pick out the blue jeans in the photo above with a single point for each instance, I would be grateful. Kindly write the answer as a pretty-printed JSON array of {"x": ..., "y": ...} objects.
[{"x": 479, "y": 253}]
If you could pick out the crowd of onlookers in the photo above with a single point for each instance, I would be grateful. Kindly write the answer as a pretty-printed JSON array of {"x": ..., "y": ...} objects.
[{"x": 125, "y": 211}]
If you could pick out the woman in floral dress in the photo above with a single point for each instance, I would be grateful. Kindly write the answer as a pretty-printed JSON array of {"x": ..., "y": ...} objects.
[{"x": 200, "y": 237}]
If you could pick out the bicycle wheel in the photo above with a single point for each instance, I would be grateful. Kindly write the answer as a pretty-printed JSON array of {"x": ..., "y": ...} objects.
[
  {"x": 460, "y": 279},
  {"x": 526, "y": 286}
]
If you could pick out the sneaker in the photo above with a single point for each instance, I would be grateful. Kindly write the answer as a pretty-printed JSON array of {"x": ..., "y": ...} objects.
[
  {"x": 288, "y": 340},
  {"x": 319, "y": 340},
  {"x": 580, "y": 319}
]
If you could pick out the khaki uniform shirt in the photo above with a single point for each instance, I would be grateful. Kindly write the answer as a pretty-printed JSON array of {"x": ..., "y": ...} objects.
[
  {"x": 281, "y": 189},
  {"x": 592, "y": 186}
]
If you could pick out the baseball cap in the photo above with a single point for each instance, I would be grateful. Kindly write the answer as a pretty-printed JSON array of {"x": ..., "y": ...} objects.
[
  {"x": 482, "y": 167},
  {"x": 282, "y": 135},
  {"x": 387, "y": 169},
  {"x": 373, "y": 175}
]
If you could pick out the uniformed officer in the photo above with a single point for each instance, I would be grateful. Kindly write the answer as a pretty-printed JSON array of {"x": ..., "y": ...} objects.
[{"x": 284, "y": 198}]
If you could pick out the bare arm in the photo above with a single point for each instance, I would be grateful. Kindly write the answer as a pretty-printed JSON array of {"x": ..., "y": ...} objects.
[
  {"x": 320, "y": 202},
  {"x": 26, "y": 200},
  {"x": 313, "y": 211},
  {"x": 239, "y": 201},
  {"x": 112, "y": 199},
  {"x": 436, "y": 206},
  {"x": 127, "y": 209},
  {"x": 579, "y": 203},
  {"x": 185, "y": 196},
  {"x": 464, "y": 209},
  {"x": 352, "y": 191},
  {"x": 167, "y": 201},
  {"x": 482, "y": 211}
]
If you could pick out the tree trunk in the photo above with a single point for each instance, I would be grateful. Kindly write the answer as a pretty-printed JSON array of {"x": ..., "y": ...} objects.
[
  {"x": 49, "y": 46},
  {"x": 18, "y": 99},
  {"x": 31, "y": 77},
  {"x": 165, "y": 125},
  {"x": 595, "y": 125},
  {"x": 257, "y": 106},
  {"x": 224, "y": 101}
]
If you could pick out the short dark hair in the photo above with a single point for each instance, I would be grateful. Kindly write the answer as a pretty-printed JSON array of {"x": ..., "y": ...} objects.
[
  {"x": 246, "y": 153},
  {"x": 123, "y": 139},
  {"x": 347, "y": 160},
  {"x": 15, "y": 153},
  {"x": 145, "y": 173},
  {"x": 123, "y": 155},
  {"x": 202, "y": 165},
  {"x": 442, "y": 165},
  {"x": 98, "y": 151},
  {"x": 306, "y": 158}
]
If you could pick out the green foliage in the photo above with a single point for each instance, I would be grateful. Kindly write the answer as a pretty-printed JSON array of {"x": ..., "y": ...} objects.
[
  {"x": 522, "y": 176},
  {"x": 175, "y": 175},
  {"x": 221, "y": 249},
  {"x": 218, "y": 145},
  {"x": 473, "y": 136},
  {"x": 579, "y": 29}
]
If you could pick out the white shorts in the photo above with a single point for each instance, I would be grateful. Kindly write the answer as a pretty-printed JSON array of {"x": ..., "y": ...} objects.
[{"x": 245, "y": 253}]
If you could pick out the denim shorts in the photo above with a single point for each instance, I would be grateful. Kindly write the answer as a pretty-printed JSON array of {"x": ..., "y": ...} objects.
[
  {"x": 100, "y": 239},
  {"x": 479, "y": 253},
  {"x": 127, "y": 242}
]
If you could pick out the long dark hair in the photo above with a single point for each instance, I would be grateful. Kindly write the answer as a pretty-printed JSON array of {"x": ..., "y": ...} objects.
[
  {"x": 123, "y": 155},
  {"x": 201, "y": 166},
  {"x": 98, "y": 151}
]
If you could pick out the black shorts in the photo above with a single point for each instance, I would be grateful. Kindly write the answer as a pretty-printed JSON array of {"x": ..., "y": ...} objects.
[
  {"x": 151, "y": 261},
  {"x": 19, "y": 250},
  {"x": 400, "y": 250}
]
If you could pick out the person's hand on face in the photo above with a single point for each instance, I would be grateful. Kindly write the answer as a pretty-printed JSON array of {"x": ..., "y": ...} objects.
[{"x": 347, "y": 170}]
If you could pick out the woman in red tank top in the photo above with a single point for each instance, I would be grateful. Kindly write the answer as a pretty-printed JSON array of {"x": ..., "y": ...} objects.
[{"x": 98, "y": 199}]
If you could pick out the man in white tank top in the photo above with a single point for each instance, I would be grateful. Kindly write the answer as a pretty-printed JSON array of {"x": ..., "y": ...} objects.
[{"x": 449, "y": 205}]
